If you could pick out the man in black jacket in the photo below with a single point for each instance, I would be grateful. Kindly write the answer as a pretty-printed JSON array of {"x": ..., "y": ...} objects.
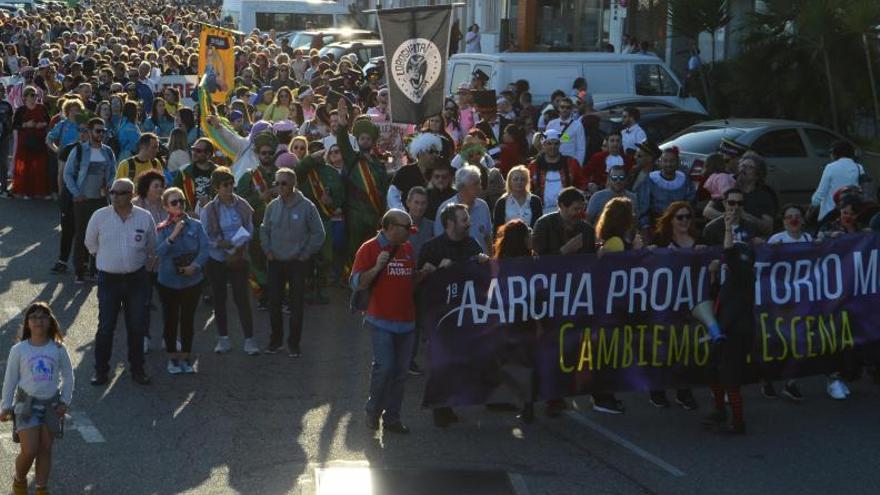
[
  {"x": 491, "y": 124},
  {"x": 454, "y": 245}
]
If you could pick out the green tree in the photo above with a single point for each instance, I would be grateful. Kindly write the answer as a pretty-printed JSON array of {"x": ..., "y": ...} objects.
[{"x": 861, "y": 18}]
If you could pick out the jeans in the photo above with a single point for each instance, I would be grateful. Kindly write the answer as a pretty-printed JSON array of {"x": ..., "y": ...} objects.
[
  {"x": 82, "y": 212},
  {"x": 282, "y": 273},
  {"x": 125, "y": 291},
  {"x": 391, "y": 357},
  {"x": 179, "y": 311},
  {"x": 68, "y": 225},
  {"x": 219, "y": 273},
  {"x": 148, "y": 317}
]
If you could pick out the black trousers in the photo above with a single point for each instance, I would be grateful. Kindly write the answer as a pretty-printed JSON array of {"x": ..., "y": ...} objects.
[
  {"x": 68, "y": 226},
  {"x": 281, "y": 274},
  {"x": 178, "y": 312},
  {"x": 219, "y": 273},
  {"x": 82, "y": 213}
]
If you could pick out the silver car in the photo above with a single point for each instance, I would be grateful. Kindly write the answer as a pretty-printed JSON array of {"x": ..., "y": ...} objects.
[{"x": 796, "y": 152}]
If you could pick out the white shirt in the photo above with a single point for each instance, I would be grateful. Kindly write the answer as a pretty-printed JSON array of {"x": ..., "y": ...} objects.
[
  {"x": 632, "y": 136},
  {"x": 552, "y": 188},
  {"x": 121, "y": 246},
  {"x": 573, "y": 142},
  {"x": 837, "y": 174},
  {"x": 785, "y": 238},
  {"x": 38, "y": 370},
  {"x": 515, "y": 211}
]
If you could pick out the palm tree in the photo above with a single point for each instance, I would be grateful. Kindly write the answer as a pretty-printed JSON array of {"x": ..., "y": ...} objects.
[
  {"x": 690, "y": 18},
  {"x": 861, "y": 17}
]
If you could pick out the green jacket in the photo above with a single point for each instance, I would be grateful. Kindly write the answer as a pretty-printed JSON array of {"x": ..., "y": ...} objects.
[
  {"x": 367, "y": 196},
  {"x": 328, "y": 178},
  {"x": 247, "y": 188}
]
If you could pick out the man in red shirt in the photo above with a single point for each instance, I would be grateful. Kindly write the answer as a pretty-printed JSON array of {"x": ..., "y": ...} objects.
[{"x": 386, "y": 266}]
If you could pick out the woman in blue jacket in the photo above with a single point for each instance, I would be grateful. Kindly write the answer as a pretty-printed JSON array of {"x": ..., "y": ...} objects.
[
  {"x": 160, "y": 122},
  {"x": 183, "y": 251},
  {"x": 128, "y": 132}
]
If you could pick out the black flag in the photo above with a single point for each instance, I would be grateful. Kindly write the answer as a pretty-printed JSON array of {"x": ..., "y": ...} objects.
[{"x": 416, "y": 44}]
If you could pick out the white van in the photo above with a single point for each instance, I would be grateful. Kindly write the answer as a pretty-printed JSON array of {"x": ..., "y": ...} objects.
[
  {"x": 284, "y": 15},
  {"x": 641, "y": 79}
]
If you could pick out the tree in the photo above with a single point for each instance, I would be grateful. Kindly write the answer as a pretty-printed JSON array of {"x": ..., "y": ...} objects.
[
  {"x": 690, "y": 18},
  {"x": 861, "y": 17}
]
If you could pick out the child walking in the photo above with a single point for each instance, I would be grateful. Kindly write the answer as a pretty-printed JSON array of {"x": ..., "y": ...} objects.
[{"x": 37, "y": 390}]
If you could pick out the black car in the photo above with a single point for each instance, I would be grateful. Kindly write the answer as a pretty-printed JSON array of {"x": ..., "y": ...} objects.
[{"x": 659, "y": 123}]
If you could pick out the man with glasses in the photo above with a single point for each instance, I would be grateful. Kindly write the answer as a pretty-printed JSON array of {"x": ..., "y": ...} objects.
[
  {"x": 573, "y": 140},
  {"x": 597, "y": 167},
  {"x": 385, "y": 266},
  {"x": 121, "y": 237},
  {"x": 195, "y": 179},
  {"x": 88, "y": 172},
  {"x": 292, "y": 231},
  {"x": 258, "y": 188},
  {"x": 616, "y": 188},
  {"x": 761, "y": 201},
  {"x": 742, "y": 230}
]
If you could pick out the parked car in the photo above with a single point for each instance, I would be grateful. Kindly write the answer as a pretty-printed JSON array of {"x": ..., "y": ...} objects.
[
  {"x": 659, "y": 123},
  {"x": 364, "y": 49},
  {"x": 796, "y": 152},
  {"x": 303, "y": 39}
]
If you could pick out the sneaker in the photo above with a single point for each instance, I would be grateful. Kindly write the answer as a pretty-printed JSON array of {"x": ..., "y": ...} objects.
[
  {"x": 26, "y": 198},
  {"x": 173, "y": 367},
  {"x": 792, "y": 392},
  {"x": 414, "y": 370},
  {"x": 295, "y": 353},
  {"x": 5, "y": 194},
  {"x": 685, "y": 399},
  {"x": 845, "y": 387},
  {"x": 836, "y": 389},
  {"x": 608, "y": 406},
  {"x": 250, "y": 347},
  {"x": 223, "y": 345},
  {"x": 273, "y": 349},
  {"x": 658, "y": 399},
  {"x": 768, "y": 391},
  {"x": 146, "y": 345},
  {"x": 59, "y": 268},
  {"x": 19, "y": 487},
  {"x": 187, "y": 367},
  {"x": 285, "y": 309}
]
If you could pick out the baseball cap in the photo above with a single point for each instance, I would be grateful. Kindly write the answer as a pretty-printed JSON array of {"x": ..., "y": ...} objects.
[{"x": 552, "y": 135}]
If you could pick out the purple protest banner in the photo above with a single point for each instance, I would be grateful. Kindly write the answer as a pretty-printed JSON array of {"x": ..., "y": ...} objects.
[{"x": 535, "y": 329}]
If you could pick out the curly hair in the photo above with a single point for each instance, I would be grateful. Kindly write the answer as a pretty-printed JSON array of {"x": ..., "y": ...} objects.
[
  {"x": 145, "y": 180},
  {"x": 616, "y": 219},
  {"x": 663, "y": 232}
]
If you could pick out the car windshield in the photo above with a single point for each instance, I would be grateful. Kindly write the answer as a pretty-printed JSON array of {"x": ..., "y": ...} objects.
[
  {"x": 302, "y": 39},
  {"x": 337, "y": 51},
  {"x": 701, "y": 139}
]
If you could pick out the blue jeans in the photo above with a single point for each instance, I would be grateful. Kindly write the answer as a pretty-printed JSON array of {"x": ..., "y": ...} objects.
[
  {"x": 128, "y": 292},
  {"x": 391, "y": 357}
]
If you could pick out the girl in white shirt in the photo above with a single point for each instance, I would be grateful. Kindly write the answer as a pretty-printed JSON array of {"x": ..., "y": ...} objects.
[{"x": 37, "y": 390}]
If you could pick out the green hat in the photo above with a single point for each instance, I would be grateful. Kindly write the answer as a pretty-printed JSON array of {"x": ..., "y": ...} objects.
[
  {"x": 265, "y": 138},
  {"x": 365, "y": 126}
]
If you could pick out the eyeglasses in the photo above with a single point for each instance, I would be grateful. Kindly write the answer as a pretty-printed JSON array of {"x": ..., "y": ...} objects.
[
  {"x": 98, "y": 131},
  {"x": 617, "y": 178},
  {"x": 731, "y": 202},
  {"x": 175, "y": 202},
  {"x": 120, "y": 193},
  {"x": 683, "y": 217}
]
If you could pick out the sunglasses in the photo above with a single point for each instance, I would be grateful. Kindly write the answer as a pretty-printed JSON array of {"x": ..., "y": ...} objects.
[
  {"x": 120, "y": 193},
  {"x": 617, "y": 178},
  {"x": 731, "y": 202},
  {"x": 175, "y": 202},
  {"x": 686, "y": 216}
]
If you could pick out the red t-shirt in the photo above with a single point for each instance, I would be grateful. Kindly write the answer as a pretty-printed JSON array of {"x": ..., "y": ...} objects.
[{"x": 391, "y": 297}]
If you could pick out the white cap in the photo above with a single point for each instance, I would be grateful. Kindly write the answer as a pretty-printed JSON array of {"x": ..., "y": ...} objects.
[{"x": 552, "y": 134}]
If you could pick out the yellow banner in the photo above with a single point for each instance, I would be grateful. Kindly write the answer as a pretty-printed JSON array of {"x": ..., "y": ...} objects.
[{"x": 217, "y": 61}]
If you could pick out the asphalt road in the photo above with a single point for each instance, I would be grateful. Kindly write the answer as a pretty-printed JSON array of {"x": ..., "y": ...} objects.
[{"x": 275, "y": 425}]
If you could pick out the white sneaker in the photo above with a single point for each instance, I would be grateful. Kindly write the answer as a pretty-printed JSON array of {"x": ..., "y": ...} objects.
[
  {"x": 837, "y": 390},
  {"x": 845, "y": 387},
  {"x": 173, "y": 367},
  {"x": 186, "y": 367},
  {"x": 146, "y": 345},
  {"x": 223, "y": 345},
  {"x": 250, "y": 347}
]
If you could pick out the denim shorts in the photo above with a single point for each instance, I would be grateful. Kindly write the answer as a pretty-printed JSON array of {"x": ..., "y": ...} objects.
[{"x": 37, "y": 418}]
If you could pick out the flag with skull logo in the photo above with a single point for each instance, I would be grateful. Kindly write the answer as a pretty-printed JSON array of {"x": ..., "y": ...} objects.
[{"x": 416, "y": 44}]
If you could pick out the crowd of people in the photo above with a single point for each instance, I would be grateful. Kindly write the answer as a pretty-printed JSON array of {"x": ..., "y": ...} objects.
[{"x": 150, "y": 204}]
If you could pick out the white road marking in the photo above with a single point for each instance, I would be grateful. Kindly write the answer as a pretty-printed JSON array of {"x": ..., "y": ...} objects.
[
  {"x": 81, "y": 423},
  {"x": 635, "y": 449},
  {"x": 183, "y": 405},
  {"x": 518, "y": 483}
]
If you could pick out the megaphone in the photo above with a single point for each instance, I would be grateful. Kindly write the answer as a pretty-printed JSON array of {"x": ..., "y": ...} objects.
[{"x": 704, "y": 312}]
